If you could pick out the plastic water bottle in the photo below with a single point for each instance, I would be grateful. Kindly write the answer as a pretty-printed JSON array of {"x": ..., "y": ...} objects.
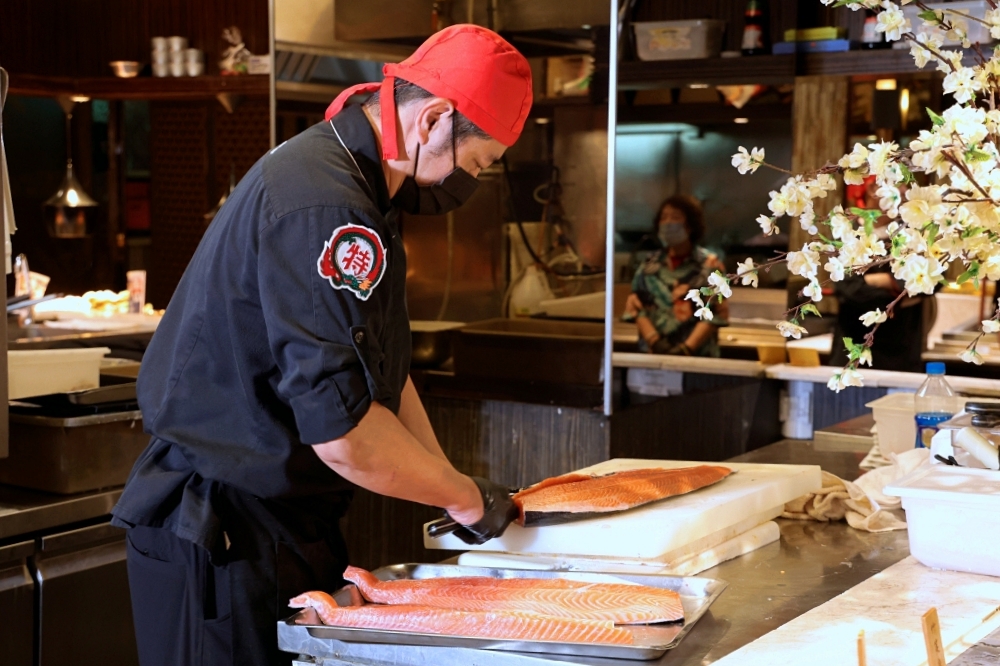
[{"x": 934, "y": 403}]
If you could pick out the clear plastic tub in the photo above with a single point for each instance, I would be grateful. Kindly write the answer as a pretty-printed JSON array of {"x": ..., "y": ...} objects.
[
  {"x": 678, "y": 40},
  {"x": 46, "y": 371},
  {"x": 950, "y": 512}
]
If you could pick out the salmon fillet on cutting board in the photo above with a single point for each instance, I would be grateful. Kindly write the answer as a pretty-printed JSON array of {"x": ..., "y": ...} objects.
[
  {"x": 572, "y": 497},
  {"x": 554, "y": 597},
  {"x": 506, "y": 625}
]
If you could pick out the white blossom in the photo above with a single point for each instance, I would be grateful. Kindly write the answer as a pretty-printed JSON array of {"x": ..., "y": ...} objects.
[
  {"x": 972, "y": 356},
  {"x": 992, "y": 17},
  {"x": 804, "y": 264},
  {"x": 841, "y": 380},
  {"x": 962, "y": 84},
  {"x": 747, "y": 272},
  {"x": 748, "y": 162},
  {"x": 721, "y": 284},
  {"x": 767, "y": 225},
  {"x": 892, "y": 22},
  {"x": 704, "y": 313},
  {"x": 991, "y": 326},
  {"x": 790, "y": 330},
  {"x": 876, "y": 316},
  {"x": 866, "y": 357},
  {"x": 695, "y": 297},
  {"x": 813, "y": 290},
  {"x": 835, "y": 268}
]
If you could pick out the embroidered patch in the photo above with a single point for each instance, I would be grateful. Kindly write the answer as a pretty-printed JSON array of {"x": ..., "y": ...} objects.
[{"x": 353, "y": 259}]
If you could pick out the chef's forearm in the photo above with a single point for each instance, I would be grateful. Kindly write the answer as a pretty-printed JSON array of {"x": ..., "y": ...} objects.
[
  {"x": 702, "y": 333},
  {"x": 382, "y": 456},
  {"x": 413, "y": 416}
]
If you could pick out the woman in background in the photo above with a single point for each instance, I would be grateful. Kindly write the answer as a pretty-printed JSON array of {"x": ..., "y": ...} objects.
[{"x": 664, "y": 319}]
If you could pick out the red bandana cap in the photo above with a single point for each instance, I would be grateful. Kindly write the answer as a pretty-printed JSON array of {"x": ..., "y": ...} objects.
[{"x": 485, "y": 77}]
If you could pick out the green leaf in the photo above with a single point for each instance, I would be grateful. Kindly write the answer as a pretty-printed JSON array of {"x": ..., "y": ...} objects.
[
  {"x": 973, "y": 272},
  {"x": 869, "y": 226},
  {"x": 811, "y": 309},
  {"x": 907, "y": 174},
  {"x": 975, "y": 154},
  {"x": 935, "y": 118},
  {"x": 931, "y": 231},
  {"x": 929, "y": 15},
  {"x": 706, "y": 291},
  {"x": 850, "y": 346}
]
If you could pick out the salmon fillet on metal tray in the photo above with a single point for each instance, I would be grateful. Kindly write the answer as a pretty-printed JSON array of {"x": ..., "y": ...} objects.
[
  {"x": 554, "y": 597},
  {"x": 505, "y": 625},
  {"x": 576, "y": 496}
]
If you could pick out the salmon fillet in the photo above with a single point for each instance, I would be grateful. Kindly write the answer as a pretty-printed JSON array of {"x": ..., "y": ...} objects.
[
  {"x": 508, "y": 625},
  {"x": 576, "y": 496},
  {"x": 554, "y": 597}
]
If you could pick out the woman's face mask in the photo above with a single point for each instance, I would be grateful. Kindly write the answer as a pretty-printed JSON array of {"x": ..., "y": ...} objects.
[
  {"x": 673, "y": 234},
  {"x": 442, "y": 197}
]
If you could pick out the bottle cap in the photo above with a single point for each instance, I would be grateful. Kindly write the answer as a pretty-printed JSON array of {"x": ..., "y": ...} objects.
[{"x": 935, "y": 368}]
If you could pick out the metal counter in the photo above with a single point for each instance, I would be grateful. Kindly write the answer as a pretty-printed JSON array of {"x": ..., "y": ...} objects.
[{"x": 28, "y": 511}]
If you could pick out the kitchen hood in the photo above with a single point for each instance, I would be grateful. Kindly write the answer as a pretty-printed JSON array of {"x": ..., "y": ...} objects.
[{"x": 318, "y": 43}]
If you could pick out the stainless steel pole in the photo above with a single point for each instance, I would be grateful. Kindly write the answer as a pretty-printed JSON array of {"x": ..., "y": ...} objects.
[{"x": 609, "y": 250}]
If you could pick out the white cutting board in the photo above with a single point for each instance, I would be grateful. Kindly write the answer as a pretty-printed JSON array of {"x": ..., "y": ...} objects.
[{"x": 662, "y": 528}]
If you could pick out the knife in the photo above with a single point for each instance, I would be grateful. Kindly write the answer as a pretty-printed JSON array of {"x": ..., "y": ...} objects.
[{"x": 447, "y": 524}]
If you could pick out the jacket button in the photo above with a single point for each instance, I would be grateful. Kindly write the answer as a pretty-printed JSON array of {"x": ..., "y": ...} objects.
[{"x": 359, "y": 337}]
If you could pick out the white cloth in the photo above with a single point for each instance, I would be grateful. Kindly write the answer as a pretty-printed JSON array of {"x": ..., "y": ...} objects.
[{"x": 862, "y": 503}]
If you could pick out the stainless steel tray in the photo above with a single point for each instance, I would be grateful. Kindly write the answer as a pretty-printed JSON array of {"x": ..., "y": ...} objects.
[{"x": 303, "y": 634}]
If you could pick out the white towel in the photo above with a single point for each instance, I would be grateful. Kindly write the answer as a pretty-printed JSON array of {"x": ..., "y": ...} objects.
[{"x": 862, "y": 502}]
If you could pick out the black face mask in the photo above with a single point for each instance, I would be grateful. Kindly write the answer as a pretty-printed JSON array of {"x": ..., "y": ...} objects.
[{"x": 443, "y": 197}]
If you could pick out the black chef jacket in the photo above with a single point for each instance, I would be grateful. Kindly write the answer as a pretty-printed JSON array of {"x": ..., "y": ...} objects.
[{"x": 288, "y": 322}]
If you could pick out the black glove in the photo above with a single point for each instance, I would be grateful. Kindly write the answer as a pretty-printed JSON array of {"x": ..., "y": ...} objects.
[
  {"x": 662, "y": 346},
  {"x": 499, "y": 511}
]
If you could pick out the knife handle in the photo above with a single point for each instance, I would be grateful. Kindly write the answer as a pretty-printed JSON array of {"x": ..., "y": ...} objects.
[{"x": 442, "y": 526}]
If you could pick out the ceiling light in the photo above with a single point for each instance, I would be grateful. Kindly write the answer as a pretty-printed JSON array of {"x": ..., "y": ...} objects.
[
  {"x": 885, "y": 84},
  {"x": 698, "y": 86},
  {"x": 741, "y": 121},
  {"x": 542, "y": 121}
]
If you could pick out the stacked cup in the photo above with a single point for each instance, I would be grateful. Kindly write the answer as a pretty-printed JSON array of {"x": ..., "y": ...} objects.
[
  {"x": 194, "y": 62},
  {"x": 178, "y": 45},
  {"x": 172, "y": 57},
  {"x": 160, "y": 57}
]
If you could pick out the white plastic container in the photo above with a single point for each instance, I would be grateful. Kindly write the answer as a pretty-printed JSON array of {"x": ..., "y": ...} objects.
[
  {"x": 44, "y": 371},
  {"x": 951, "y": 514},
  {"x": 897, "y": 430},
  {"x": 678, "y": 40}
]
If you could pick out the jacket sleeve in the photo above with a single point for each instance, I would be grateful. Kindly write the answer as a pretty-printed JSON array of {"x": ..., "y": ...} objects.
[{"x": 323, "y": 313}]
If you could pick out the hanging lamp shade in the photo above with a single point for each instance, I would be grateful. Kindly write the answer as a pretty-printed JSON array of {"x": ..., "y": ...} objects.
[
  {"x": 64, "y": 210},
  {"x": 71, "y": 193}
]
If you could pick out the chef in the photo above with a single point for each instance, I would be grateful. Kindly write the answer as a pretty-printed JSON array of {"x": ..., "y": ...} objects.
[{"x": 278, "y": 378}]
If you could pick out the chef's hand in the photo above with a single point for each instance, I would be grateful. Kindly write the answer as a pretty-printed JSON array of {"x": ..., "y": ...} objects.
[
  {"x": 633, "y": 306},
  {"x": 664, "y": 347},
  {"x": 499, "y": 511}
]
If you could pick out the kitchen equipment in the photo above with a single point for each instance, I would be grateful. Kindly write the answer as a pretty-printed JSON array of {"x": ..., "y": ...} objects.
[
  {"x": 678, "y": 40},
  {"x": 125, "y": 69},
  {"x": 114, "y": 395},
  {"x": 23, "y": 302},
  {"x": 72, "y": 455},
  {"x": 662, "y": 531},
  {"x": 432, "y": 342},
  {"x": 949, "y": 514},
  {"x": 303, "y": 634},
  {"x": 897, "y": 430},
  {"x": 531, "y": 350},
  {"x": 44, "y": 371}
]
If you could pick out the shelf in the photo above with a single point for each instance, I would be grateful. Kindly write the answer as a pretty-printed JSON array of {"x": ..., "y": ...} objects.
[
  {"x": 143, "y": 87},
  {"x": 765, "y": 69},
  {"x": 768, "y": 70},
  {"x": 701, "y": 113}
]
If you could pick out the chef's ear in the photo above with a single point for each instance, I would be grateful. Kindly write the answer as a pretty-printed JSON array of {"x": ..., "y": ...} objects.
[{"x": 429, "y": 116}]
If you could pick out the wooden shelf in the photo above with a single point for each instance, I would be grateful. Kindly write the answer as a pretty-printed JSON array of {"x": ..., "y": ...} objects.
[
  {"x": 701, "y": 113},
  {"x": 143, "y": 87},
  {"x": 766, "y": 69}
]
